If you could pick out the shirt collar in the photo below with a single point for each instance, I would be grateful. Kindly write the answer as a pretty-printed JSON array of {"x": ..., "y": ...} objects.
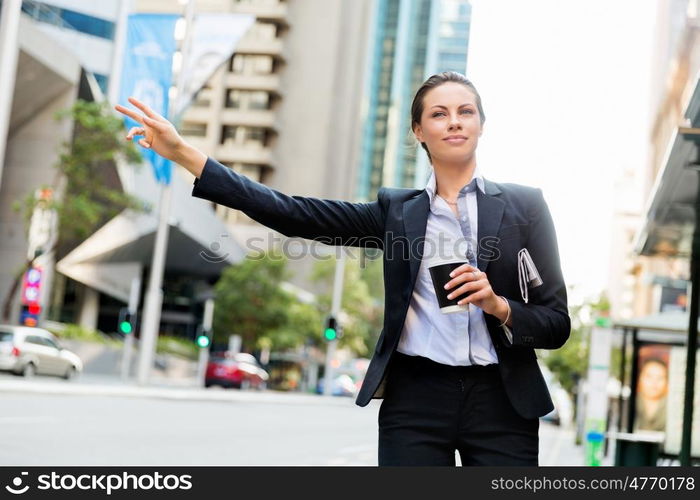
[{"x": 432, "y": 184}]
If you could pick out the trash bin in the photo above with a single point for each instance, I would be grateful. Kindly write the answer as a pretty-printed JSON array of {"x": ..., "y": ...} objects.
[{"x": 636, "y": 449}]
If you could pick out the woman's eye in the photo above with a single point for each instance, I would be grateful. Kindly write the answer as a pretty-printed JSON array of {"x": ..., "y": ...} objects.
[{"x": 471, "y": 112}]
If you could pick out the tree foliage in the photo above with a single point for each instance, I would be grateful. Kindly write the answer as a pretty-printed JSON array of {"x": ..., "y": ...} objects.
[
  {"x": 570, "y": 362},
  {"x": 360, "y": 302},
  {"x": 85, "y": 192},
  {"x": 251, "y": 303}
]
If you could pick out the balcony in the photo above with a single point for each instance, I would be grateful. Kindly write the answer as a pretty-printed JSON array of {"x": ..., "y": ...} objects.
[
  {"x": 240, "y": 152},
  {"x": 261, "y": 46},
  {"x": 270, "y": 83},
  {"x": 257, "y": 118}
]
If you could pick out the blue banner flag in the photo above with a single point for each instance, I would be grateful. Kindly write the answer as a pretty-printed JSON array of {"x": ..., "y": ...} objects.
[{"x": 147, "y": 73}]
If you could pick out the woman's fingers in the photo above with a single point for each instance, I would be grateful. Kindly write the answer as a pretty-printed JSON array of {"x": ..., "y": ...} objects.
[
  {"x": 467, "y": 287},
  {"x": 131, "y": 114},
  {"x": 464, "y": 276},
  {"x": 159, "y": 126},
  {"x": 135, "y": 131},
  {"x": 475, "y": 297},
  {"x": 145, "y": 108},
  {"x": 462, "y": 269},
  {"x": 144, "y": 143}
]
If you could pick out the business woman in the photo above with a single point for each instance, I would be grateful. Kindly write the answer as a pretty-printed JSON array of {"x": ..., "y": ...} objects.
[{"x": 466, "y": 381}]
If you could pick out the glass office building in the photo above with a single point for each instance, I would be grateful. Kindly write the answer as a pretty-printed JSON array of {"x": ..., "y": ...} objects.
[{"x": 413, "y": 39}]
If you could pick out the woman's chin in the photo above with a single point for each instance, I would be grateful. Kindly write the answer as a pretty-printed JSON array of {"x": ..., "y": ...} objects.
[{"x": 455, "y": 157}]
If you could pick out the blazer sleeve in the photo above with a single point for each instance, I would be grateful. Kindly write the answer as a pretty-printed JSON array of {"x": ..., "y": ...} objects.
[
  {"x": 333, "y": 222},
  {"x": 543, "y": 322}
]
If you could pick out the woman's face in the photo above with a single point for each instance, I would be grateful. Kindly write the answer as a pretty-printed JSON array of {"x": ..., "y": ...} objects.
[
  {"x": 449, "y": 110},
  {"x": 653, "y": 381}
]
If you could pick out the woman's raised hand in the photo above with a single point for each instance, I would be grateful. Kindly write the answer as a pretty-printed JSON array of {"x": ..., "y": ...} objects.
[
  {"x": 158, "y": 133},
  {"x": 161, "y": 136}
]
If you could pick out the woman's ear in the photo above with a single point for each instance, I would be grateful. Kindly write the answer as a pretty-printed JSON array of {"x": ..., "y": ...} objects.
[{"x": 418, "y": 132}]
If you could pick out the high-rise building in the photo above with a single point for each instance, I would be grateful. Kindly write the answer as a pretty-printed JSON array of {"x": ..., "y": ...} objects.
[
  {"x": 411, "y": 40},
  {"x": 285, "y": 109},
  {"x": 88, "y": 28}
]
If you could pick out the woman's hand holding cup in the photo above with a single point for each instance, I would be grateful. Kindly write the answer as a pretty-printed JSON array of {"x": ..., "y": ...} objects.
[{"x": 475, "y": 283}]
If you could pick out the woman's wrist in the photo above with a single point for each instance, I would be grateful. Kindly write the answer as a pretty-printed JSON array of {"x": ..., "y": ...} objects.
[
  {"x": 191, "y": 158},
  {"x": 504, "y": 312}
]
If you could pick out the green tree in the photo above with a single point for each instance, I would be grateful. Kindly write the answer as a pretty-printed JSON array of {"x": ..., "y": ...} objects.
[
  {"x": 84, "y": 197},
  {"x": 364, "y": 311},
  {"x": 250, "y": 303},
  {"x": 570, "y": 362}
]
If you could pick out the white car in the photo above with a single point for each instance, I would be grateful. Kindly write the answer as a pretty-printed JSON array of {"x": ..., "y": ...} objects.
[
  {"x": 563, "y": 412},
  {"x": 29, "y": 351}
]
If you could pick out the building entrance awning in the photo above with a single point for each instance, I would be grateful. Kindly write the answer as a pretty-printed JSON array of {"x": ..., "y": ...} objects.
[{"x": 670, "y": 213}]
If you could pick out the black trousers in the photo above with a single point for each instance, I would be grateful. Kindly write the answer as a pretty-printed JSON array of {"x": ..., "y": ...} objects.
[{"x": 430, "y": 410}]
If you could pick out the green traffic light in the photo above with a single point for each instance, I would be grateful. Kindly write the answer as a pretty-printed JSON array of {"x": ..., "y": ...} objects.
[
  {"x": 330, "y": 334},
  {"x": 203, "y": 341},
  {"x": 125, "y": 327}
]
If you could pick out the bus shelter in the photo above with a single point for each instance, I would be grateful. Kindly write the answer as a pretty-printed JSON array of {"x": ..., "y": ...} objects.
[{"x": 653, "y": 365}]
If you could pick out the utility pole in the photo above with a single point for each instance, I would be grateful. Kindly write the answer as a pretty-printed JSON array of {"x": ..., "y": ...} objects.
[{"x": 154, "y": 295}]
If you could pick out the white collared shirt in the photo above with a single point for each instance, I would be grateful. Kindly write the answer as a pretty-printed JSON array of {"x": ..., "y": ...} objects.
[{"x": 427, "y": 332}]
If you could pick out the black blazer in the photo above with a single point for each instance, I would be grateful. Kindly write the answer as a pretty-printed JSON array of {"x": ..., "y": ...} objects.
[{"x": 511, "y": 217}]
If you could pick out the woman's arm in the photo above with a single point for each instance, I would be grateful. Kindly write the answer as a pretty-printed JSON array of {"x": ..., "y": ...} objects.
[
  {"x": 333, "y": 222},
  {"x": 544, "y": 322}
]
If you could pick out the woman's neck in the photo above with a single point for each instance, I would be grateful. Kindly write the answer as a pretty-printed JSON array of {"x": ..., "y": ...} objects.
[{"x": 449, "y": 179}]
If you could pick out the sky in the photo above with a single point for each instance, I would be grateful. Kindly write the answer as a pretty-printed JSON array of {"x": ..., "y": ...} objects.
[{"x": 565, "y": 87}]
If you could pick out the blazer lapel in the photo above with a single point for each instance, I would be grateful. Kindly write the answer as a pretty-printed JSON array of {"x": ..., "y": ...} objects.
[
  {"x": 490, "y": 208},
  {"x": 415, "y": 220}
]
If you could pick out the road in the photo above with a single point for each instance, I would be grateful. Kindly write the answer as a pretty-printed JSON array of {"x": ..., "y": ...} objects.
[{"x": 51, "y": 422}]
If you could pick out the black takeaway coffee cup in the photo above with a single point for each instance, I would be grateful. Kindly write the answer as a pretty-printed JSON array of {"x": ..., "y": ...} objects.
[{"x": 440, "y": 273}]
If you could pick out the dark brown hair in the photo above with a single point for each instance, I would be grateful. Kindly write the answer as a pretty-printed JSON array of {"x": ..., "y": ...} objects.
[{"x": 436, "y": 81}]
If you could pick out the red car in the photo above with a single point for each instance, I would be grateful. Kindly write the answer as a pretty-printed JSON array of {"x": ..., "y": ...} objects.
[{"x": 240, "y": 370}]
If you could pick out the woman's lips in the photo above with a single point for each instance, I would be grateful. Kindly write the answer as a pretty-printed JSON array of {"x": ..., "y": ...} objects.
[{"x": 455, "y": 140}]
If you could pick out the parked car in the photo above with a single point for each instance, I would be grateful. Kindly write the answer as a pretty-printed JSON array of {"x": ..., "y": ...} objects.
[
  {"x": 343, "y": 385},
  {"x": 239, "y": 370},
  {"x": 32, "y": 351}
]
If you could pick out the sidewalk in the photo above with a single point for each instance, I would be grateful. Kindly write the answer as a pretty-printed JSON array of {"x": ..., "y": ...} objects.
[{"x": 179, "y": 389}]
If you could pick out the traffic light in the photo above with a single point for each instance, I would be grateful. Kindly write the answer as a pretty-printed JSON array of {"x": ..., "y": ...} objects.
[
  {"x": 332, "y": 331},
  {"x": 203, "y": 338},
  {"x": 127, "y": 321}
]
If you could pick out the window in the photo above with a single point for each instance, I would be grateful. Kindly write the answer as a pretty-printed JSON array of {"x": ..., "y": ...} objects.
[
  {"x": 247, "y": 99},
  {"x": 255, "y": 135},
  {"x": 102, "y": 81},
  {"x": 233, "y": 98},
  {"x": 69, "y": 19},
  {"x": 193, "y": 129},
  {"x": 6, "y": 336},
  {"x": 202, "y": 98},
  {"x": 248, "y": 64},
  {"x": 228, "y": 133},
  {"x": 50, "y": 342},
  {"x": 258, "y": 99},
  {"x": 264, "y": 31}
]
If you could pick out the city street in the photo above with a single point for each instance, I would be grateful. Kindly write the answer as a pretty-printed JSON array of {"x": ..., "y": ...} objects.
[{"x": 50, "y": 422}]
